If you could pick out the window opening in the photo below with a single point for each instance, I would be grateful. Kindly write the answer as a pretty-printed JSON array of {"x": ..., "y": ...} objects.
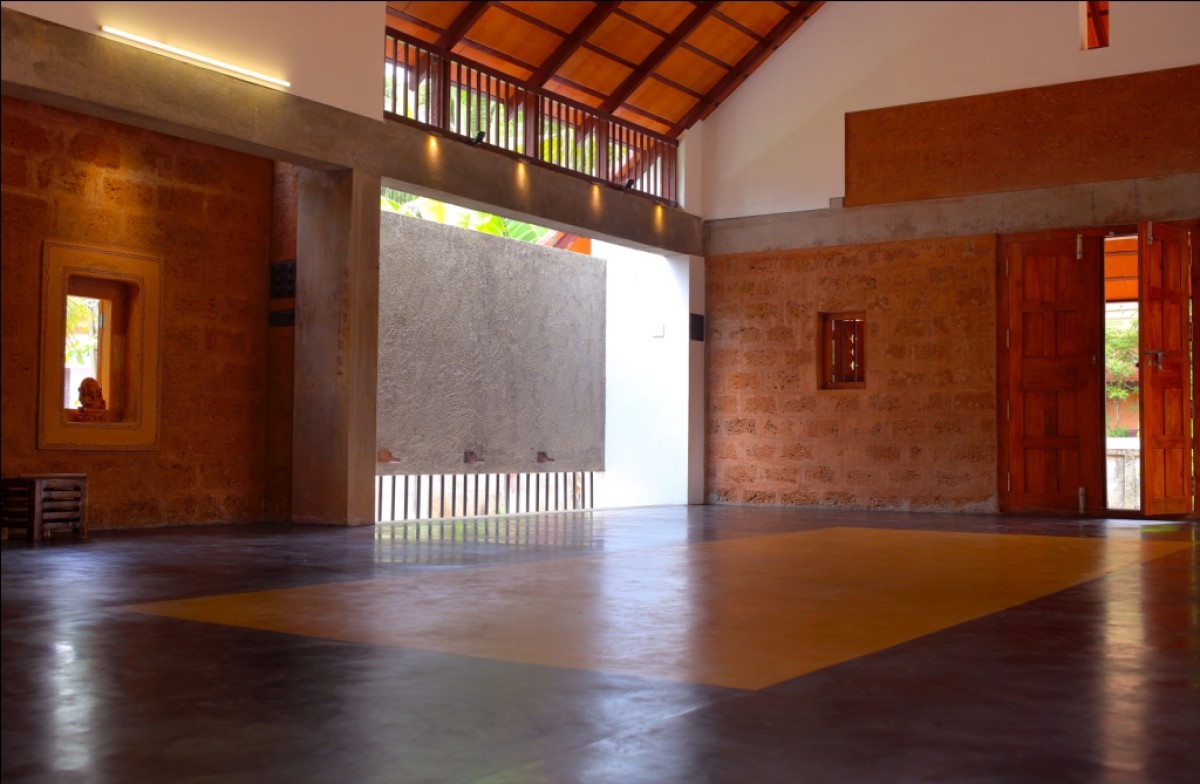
[
  {"x": 98, "y": 379},
  {"x": 1095, "y": 24},
  {"x": 1123, "y": 450},
  {"x": 94, "y": 337},
  {"x": 82, "y": 351},
  {"x": 843, "y": 350},
  {"x": 412, "y": 205}
]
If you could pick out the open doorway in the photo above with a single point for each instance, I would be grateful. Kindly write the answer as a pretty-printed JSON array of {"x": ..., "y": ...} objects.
[
  {"x": 1122, "y": 426},
  {"x": 1095, "y": 390}
]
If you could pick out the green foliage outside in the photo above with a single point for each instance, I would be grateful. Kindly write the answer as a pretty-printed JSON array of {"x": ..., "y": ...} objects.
[
  {"x": 452, "y": 215},
  {"x": 1120, "y": 366},
  {"x": 82, "y": 317},
  {"x": 558, "y": 142},
  {"x": 82, "y": 344}
]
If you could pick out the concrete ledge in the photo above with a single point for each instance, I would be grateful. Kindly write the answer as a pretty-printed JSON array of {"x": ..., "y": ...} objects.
[{"x": 1175, "y": 197}]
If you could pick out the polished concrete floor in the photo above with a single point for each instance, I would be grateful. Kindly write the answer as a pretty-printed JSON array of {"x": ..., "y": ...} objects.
[{"x": 701, "y": 644}]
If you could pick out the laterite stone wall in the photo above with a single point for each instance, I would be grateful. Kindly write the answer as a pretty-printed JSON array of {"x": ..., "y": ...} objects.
[
  {"x": 207, "y": 212},
  {"x": 1121, "y": 127},
  {"x": 920, "y": 436}
]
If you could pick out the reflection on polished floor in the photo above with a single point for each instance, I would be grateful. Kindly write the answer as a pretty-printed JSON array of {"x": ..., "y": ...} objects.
[{"x": 683, "y": 644}]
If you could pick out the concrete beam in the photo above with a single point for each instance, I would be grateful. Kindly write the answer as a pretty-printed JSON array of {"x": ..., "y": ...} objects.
[{"x": 1122, "y": 202}]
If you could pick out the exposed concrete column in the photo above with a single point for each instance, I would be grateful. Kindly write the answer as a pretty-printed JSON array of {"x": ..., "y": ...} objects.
[
  {"x": 337, "y": 342},
  {"x": 697, "y": 386},
  {"x": 281, "y": 345}
]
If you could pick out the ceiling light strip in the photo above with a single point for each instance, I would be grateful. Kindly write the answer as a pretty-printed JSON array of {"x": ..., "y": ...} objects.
[{"x": 209, "y": 61}]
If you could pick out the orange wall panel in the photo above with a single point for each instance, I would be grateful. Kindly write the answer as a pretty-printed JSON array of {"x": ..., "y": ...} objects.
[
  {"x": 1139, "y": 125},
  {"x": 207, "y": 213}
]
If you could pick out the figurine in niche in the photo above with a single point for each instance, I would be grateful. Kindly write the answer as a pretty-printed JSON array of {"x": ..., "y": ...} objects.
[{"x": 91, "y": 401}]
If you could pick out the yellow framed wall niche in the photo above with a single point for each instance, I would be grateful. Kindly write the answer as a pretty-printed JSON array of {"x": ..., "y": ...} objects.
[{"x": 124, "y": 290}]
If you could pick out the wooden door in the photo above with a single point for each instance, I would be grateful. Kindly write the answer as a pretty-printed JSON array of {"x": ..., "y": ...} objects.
[
  {"x": 1166, "y": 401},
  {"x": 1051, "y": 382}
]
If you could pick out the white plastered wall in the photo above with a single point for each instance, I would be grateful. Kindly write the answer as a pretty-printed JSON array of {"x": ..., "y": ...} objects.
[
  {"x": 331, "y": 53},
  {"x": 777, "y": 144},
  {"x": 648, "y": 354}
]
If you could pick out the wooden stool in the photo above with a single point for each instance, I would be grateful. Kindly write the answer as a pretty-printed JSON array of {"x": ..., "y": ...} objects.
[{"x": 43, "y": 503}]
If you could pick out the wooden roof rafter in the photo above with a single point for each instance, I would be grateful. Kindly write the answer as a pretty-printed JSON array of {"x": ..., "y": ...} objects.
[
  {"x": 736, "y": 25},
  {"x": 796, "y": 16},
  {"x": 463, "y": 23},
  {"x": 660, "y": 65},
  {"x": 703, "y": 55},
  {"x": 583, "y": 88},
  {"x": 674, "y": 85},
  {"x": 660, "y": 53},
  {"x": 616, "y": 58},
  {"x": 414, "y": 20},
  {"x": 573, "y": 42},
  {"x": 509, "y": 9},
  {"x": 489, "y": 51},
  {"x": 640, "y": 22},
  {"x": 646, "y": 113}
]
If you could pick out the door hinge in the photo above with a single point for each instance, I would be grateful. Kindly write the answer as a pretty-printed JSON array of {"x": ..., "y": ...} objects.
[
  {"x": 1149, "y": 232},
  {"x": 1007, "y": 410},
  {"x": 1008, "y": 483},
  {"x": 1082, "y": 500},
  {"x": 1007, "y": 338},
  {"x": 1078, "y": 247},
  {"x": 1006, "y": 266}
]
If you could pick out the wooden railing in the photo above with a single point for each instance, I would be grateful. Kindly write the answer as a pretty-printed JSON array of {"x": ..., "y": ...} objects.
[{"x": 436, "y": 88}]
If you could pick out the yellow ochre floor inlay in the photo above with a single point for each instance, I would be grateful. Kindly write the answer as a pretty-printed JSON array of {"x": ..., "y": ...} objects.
[{"x": 743, "y": 613}]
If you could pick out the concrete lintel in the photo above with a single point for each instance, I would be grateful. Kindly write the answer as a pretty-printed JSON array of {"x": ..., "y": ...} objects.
[
  {"x": 1121, "y": 202},
  {"x": 59, "y": 66}
]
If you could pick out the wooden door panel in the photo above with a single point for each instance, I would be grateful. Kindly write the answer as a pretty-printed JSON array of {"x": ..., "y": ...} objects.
[
  {"x": 1051, "y": 375},
  {"x": 1166, "y": 401}
]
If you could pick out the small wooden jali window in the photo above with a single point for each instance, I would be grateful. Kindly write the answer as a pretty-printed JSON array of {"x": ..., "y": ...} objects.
[{"x": 843, "y": 350}]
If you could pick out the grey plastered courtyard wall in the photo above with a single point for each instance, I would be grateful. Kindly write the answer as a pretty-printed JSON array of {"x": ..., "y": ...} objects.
[{"x": 489, "y": 345}]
